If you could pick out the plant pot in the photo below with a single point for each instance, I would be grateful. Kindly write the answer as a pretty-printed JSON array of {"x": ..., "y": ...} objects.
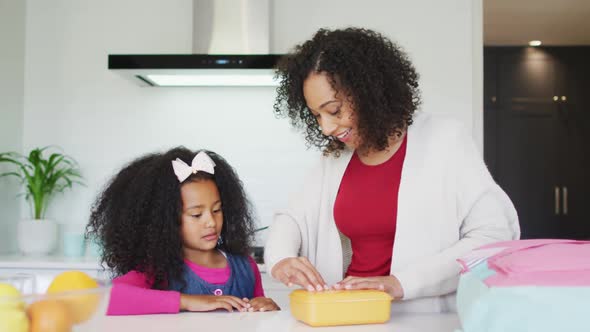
[{"x": 37, "y": 236}]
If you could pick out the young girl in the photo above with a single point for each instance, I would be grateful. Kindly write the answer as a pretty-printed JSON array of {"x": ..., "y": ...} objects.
[{"x": 176, "y": 230}]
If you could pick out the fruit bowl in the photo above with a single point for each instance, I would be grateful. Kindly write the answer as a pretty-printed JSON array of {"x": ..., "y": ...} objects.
[{"x": 59, "y": 311}]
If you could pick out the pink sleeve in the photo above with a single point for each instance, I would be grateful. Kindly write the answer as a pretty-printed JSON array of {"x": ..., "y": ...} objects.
[
  {"x": 258, "y": 290},
  {"x": 131, "y": 294}
]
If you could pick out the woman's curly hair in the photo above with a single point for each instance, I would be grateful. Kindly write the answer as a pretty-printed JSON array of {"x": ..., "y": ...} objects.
[
  {"x": 137, "y": 218},
  {"x": 375, "y": 74}
]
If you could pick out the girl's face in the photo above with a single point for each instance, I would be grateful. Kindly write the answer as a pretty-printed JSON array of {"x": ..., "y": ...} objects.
[
  {"x": 333, "y": 112},
  {"x": 202, "y": 217}
]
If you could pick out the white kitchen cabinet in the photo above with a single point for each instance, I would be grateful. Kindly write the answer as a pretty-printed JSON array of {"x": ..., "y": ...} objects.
[{"x": 45, "y": 268}]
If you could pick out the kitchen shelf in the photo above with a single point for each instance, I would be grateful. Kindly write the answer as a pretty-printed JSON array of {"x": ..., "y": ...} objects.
[{"x": 49, "y": 262}]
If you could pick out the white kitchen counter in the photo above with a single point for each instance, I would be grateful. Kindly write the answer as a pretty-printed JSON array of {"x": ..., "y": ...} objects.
[
  {"x": 267, "y": 321},
  {"x": 45, "y": 267},
  {"x": 276, "y": 321}
]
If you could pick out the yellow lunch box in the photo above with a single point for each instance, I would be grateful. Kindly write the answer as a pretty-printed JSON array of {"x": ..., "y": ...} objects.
[{"x": 340, "y": 307}]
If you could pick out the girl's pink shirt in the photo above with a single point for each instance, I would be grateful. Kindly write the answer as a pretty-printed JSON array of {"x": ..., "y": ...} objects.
[{"x": 131, "y": 293}]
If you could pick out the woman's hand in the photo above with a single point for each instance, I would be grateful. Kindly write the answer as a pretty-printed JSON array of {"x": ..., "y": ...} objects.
[
  {"x": 299, "y": 271},
  {"x": 389, "y": 284},
  {"x": 263, "y": 304},
  {"x": 212, "y": 302}
]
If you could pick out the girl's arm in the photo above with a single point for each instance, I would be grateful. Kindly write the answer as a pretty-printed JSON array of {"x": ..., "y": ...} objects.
[
  {"x": 131, "y": 294},
  {"x": 258, "y": 290},
  {"x": 259, "y": 302}
]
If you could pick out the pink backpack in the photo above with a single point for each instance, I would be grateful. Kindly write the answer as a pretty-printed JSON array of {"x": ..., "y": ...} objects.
[{"x": 526, "y": 285}]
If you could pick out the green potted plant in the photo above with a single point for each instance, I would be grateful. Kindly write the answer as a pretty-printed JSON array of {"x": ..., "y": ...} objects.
[{"x": 42, "y": 178}]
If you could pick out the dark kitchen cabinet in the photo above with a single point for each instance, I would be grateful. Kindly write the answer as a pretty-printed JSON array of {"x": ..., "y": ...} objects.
[{"x": 536, "y": 135}]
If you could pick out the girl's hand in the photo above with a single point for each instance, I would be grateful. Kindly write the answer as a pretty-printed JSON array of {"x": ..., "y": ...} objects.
[
  {"x": 389, "y": 284},
  {"x": 299, "y": 271},
  {"x": 263, "y": 304},
  {"x": 212, "y": 302}
]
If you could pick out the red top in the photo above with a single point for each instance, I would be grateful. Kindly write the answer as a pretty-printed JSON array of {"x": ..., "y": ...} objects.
[{"x": 366, "y": 212}]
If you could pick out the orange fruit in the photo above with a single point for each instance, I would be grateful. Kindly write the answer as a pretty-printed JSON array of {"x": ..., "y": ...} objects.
[
  {"x": 50, "y": 316},
  {"x": 70, "y": 285}
]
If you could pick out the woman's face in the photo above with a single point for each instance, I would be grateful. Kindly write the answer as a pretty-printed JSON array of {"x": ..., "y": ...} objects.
[
  {"x": 202, "y": 217},
  {"x": 333, "y": 111}
]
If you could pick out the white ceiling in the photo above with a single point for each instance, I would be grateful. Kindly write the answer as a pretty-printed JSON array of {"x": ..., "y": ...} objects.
[{"x": 554, "y": 22}]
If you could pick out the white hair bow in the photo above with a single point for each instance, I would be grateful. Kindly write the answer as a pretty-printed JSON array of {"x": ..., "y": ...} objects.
[{"x": 201, "y": 162}]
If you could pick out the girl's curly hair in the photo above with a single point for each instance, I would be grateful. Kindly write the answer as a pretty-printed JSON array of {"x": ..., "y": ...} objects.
[
  {"x": 137, "y": 217},
  {"x": 375, "y": 75}
]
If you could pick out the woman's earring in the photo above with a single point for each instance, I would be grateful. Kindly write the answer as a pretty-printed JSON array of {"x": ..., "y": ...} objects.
[{"x": 219, "y": 241}]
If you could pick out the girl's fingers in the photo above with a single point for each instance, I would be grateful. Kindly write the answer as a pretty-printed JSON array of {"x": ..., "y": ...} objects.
[
  {"x": 223, "y": 305},
  {"x": 255, "y": 303},
  {"x": 270, "y": 306},
  {"x": 242, "y": 302},
  {"x": 263, "y": 304},
  {"x": 236, "y": 302},
  {"x": 247, "y": 301},
  {"x": 231, "y": 303}
]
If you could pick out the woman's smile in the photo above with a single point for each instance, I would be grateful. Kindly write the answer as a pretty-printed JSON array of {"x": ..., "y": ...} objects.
[{"x": 344, "y": 136}]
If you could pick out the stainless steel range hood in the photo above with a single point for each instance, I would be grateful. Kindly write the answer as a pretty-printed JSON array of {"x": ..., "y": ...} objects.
[{"x": 230, "y": 48}]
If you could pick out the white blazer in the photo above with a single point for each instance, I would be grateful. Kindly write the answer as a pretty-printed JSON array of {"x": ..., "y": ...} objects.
[{"x": 448, "y": 204}]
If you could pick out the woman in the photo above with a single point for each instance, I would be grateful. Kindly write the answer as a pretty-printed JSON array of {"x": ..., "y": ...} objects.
[{"x": 398, "y": 196}]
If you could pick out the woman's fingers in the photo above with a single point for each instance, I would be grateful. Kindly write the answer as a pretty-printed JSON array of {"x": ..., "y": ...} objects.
[
  {"x": 280, "y": 270},
  {"x": 349, "y": 278},
  {"x": 299, "y": 271},
  {"x": 389, "y": 284},
  {"x": 301, "y": 278},
  {"x": 341, "y": 284},
  {"x": 365, "y": 284},
  {"x": 360, "y": 283},
  {"x": 304, "y": 276},
  {"x": 312, "y": 274}
]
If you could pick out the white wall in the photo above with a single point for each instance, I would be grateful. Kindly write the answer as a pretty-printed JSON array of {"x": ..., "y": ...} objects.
[
  {"x": 443, "y": 39},
  {"x": 72, "y": 100},
  {"x": 12, "y": 38}
]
